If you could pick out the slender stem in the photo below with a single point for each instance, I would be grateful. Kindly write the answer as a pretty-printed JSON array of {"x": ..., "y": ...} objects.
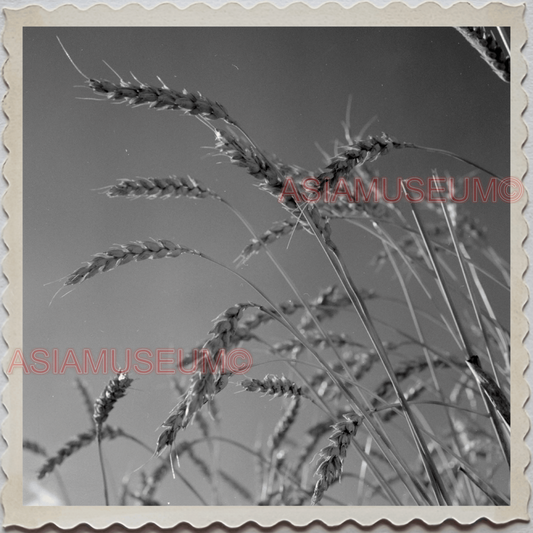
[
  {"x": 454, "y": 156},
  {"x": 504, "y": 40},
  {"x": 102, "y": 467}
]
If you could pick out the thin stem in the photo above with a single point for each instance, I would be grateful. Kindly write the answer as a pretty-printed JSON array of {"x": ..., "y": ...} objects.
[{"x": 101, "y": 458}]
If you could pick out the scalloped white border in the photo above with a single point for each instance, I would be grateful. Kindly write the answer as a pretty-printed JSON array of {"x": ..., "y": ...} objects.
[{"x": 397, "y": 14}]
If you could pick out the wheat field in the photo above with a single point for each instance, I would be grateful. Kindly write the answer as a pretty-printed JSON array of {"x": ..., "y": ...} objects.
[{"x": 391, "y": 384}]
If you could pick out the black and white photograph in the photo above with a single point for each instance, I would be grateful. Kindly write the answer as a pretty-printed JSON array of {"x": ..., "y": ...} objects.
[{"x": 267, "y": 266}]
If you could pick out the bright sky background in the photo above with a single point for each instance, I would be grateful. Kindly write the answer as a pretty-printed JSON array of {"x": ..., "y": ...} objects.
[{"x": 289, "y": 88}]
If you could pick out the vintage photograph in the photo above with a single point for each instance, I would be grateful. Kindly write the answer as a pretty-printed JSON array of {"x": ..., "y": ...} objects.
[{"x": 267, "y": 266}]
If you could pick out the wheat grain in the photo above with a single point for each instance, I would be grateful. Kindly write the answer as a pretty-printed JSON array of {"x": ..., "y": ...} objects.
[
  {"x": 104, "y": 404},
  {"x": 124, "y": 253},
  {"x": 328, "y": 303},
  {"x": 489, "y": 50},
  {"x": 330, "y": 469}
]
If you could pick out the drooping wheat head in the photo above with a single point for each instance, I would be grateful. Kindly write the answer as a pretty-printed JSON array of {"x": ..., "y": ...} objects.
[
  {"x": 205, "y": 383},
  {"x": 330, "y": 468}
]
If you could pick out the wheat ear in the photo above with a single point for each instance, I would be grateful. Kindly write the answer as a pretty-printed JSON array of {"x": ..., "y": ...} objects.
[
  {"x": 330, "y": 469},
  {"x": 277, "y": 231},
  {"x": 114, "y": 390},
  {"x": 489, "y": 50},
  {"x": 34, "y": 447},
  {"x": 284, "y": 424},
  {"x": 163, "y": 97},
  {"x": 275, "y": 386},
  {"x": 171, "y": 187},
  {"x": 125, "y": 253},
  {"x": 204, "y": 385},
  {"x": 244, "y": 153},
  {"x": 75, "y": 444},
  {"x": 360, "y": 152}
]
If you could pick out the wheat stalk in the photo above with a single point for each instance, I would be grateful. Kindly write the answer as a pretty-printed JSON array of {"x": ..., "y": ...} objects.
[{"x": 235, "y": 485}]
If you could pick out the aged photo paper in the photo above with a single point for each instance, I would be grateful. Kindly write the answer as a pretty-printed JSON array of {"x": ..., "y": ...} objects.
[{"x": 265, "y": 258}]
